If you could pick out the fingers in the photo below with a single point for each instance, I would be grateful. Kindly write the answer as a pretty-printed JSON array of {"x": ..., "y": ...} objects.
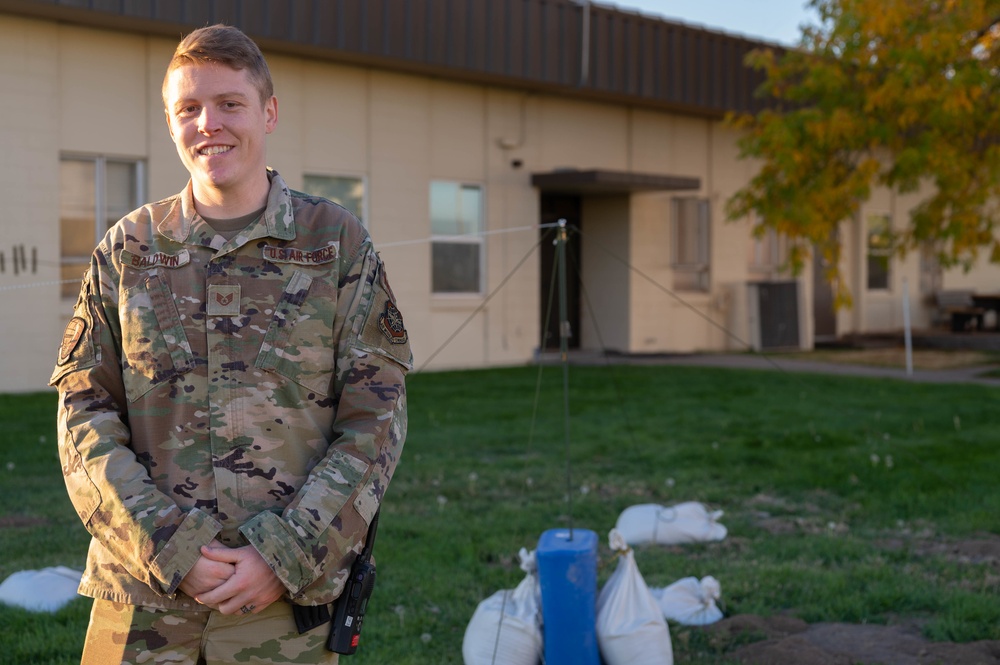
[
  {"x": 206, "y": 575},
  {"x": 222, "y": 594},
  {"x": 252, "y": 587},
  {"x": 247, "y": 608},
  {"x": 243, "y": 600},
  {"x": 211, "y": 605},
  {"x": 223, "y": 554}
]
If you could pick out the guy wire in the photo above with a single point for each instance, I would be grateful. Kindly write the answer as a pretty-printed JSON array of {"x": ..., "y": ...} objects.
[
  {"x": 482, "y": 305},
  {"x": 743, "y": 344},
  {"x": 541, "y": 350}
]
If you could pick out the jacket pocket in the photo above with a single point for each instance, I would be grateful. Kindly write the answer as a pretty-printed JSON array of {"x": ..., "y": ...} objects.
[
  {"x": 298, "y": 344},
  {"x": 155, "y": 346}
]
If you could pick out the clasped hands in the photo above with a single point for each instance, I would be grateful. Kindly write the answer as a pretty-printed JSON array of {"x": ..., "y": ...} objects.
[{"x": 232, "y": 580}]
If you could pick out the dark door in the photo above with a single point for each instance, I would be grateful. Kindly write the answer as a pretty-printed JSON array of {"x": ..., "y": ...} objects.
[
  {"x": 779, "y": 314},
  {"x": 554, "y": 208}
]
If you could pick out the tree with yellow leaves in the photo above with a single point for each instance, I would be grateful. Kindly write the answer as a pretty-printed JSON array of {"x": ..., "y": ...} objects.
[{"x": 903, "y": 94}]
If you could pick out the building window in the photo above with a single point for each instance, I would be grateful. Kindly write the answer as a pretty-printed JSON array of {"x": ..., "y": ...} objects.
[
  {"x": 768, "y": 254},
  {"x": 690, "y": 249},
  {"x": 879, "y": 252},
  {"x": 931, "y": 276},
  {"x": 457, "y": 242},
  {"x": 94, "y": 193},
  {"x": 347, "y": 191}
]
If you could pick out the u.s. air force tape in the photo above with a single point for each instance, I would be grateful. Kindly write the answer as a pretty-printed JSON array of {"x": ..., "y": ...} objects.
[{"x": 302, "y": 257}]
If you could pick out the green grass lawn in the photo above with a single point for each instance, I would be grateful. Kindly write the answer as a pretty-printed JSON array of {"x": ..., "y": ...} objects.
[{"x": 839, "y": 494}]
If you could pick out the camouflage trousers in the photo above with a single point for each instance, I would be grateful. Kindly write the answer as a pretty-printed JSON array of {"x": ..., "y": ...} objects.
[{"x": 131, "y": 635}]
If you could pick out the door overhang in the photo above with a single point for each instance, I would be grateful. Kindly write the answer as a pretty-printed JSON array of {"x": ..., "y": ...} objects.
[{"x": 603, "y": 181}]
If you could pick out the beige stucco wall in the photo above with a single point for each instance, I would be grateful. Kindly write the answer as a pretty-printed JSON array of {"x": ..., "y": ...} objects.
[
  {"x": 75, "y": 90},
  {"x": 29, "y": 172},
  {"x": 883, "y": 310}
]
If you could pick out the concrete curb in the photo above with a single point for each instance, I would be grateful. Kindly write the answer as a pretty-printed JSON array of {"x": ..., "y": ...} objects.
[{"x": 763, "y": 362}]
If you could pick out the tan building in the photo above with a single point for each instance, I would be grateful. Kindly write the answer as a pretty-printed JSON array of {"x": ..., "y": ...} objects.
[{"x": 459, "y": 132}]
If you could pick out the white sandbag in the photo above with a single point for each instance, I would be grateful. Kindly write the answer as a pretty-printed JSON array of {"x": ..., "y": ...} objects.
[
  {"x": 631, "y": 629},
  {"x": 45, "y": 590},
  {"x": 689, "y": 601},
  {"x": 515, "y": 615},
  {"x": 688, "y": 522}
]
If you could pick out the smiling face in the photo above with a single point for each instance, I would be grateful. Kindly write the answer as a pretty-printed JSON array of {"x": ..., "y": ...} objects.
[{"x": 219, "y": 124}]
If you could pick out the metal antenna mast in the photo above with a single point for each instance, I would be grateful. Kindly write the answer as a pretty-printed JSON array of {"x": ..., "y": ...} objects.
[{"x": 564, "y": 334}]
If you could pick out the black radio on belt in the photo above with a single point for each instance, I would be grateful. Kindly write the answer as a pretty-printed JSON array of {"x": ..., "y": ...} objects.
[{"x": 349, "y": 608}]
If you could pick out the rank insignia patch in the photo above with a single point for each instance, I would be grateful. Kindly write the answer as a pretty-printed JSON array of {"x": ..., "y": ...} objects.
[
  {"x": 390, "y": 322},
  {"x": 223, "y": 300}
]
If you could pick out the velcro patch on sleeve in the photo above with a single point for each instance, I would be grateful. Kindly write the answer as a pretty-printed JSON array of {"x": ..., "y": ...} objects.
[
  {"x": 71, "y": 339},
  {"x": 79, "y": 346},
  {"x": 384, "y": 331},
  {"x": 390, "y": 322}
]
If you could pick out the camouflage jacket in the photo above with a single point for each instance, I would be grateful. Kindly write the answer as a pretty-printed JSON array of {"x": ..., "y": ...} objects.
[{"x": 249, "y": 390}]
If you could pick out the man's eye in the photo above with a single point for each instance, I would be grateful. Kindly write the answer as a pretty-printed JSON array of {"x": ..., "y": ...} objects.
[
  {"x": 188, "y": 110},
  {"x": 230, "y": 105}
]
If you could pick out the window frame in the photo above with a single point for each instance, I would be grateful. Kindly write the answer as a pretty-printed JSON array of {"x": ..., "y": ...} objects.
[
  {"x": 881, "y": 254},
  {"x": 102, "y": 221},
  {"x": 694, "y": 276},
  {"x": 931, "y": 272},
  {"x": 768, "y": 254},
  {"x": 362, "y": 178},
  {"x": 477, "y": 238}
]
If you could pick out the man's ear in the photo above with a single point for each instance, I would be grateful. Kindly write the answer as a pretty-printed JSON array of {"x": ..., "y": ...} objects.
[
  {"x": 270, "y": 114},
  {"x": 170, "y": 126}
]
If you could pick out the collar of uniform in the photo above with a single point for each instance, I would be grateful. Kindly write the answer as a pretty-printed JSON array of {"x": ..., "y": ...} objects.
[{"x": 278, "y": 217}]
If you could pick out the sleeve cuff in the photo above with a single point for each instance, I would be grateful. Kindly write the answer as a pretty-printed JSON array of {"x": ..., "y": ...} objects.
[
  {"x": 181, "y": 552},
  {"x": 276, "y": 542}
]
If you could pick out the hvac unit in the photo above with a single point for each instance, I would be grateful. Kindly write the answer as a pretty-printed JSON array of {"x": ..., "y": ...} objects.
[{"x": 774, "y": 315}]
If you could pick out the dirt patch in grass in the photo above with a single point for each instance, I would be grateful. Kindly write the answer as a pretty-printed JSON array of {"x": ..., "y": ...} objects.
[
  {"x": 7, "y": 521},
  {"x": 783, "y": 640},
  {"x": 927, "y": 359},
  {"x": 981, "y": 549},
  {"x": 808, "y": 517},
  {"x": 789, "y": 641}
]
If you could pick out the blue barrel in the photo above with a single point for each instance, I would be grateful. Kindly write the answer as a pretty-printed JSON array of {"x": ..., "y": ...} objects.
[{"x": 567, "y": 575}]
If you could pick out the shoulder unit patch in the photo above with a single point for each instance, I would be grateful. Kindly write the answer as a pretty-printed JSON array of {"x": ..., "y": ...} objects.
[
  {"x": 390, "y": 322},
  {"x": 74, "y": 332}
]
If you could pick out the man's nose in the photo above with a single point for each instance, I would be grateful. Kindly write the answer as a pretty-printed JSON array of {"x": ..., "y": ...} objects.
[{"x": 208, "y": 121}]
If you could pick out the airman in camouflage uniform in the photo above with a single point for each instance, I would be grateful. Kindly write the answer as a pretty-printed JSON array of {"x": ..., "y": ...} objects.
[{"x": 232, "y": 405}]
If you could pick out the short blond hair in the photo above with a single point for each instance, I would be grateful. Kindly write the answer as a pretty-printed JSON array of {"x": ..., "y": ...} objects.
[{"x": 227, "y": 45}]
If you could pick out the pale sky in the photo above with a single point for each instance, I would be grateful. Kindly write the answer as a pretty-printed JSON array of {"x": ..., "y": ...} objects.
[{"x": 773, "y": 20}]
